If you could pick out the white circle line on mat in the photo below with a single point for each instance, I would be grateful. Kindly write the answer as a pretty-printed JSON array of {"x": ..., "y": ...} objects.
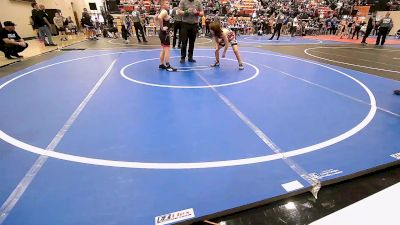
[
  {"x": 194, "y": 165},
  {"x": 306, "y": 51},
  {"x": 149, "y": 45},
  {"x": 122, "y": 72}
]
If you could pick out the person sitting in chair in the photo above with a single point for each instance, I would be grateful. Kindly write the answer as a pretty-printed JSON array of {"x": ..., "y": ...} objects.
[{"x": 10, "y": 42}]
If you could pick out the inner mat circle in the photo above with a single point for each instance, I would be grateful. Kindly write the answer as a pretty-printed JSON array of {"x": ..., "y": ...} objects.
[
  {"x": 225, "y": 75},
  {"x": 198, "y": 42}
]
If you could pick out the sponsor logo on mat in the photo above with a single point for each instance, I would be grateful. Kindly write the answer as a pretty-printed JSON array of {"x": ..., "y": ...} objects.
[
  {"x": 396, "y": 155},
  {"x": 175, "y": 217},
  {"x": 325, "y": 173}
]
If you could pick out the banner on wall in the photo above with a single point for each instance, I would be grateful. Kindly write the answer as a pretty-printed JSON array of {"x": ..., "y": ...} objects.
[{"x": 362, "y": 10}]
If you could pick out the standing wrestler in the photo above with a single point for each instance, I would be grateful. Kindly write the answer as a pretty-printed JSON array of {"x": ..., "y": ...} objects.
[{"x": 163, "y": 21}]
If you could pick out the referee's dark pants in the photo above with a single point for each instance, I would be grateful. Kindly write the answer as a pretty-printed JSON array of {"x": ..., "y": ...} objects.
[
  {"x": 382, "y": 33},
  {"x": 177, "y": 28},
  {"x": 189, "y": 33},
  {"x": 277, "y": 29},
  {"x": 367, "y": 33},
  {"x": 138, "y": 27}
]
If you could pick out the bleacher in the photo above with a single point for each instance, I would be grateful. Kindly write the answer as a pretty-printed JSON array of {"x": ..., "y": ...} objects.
[
  {"x": 246, "y": 8},
  {"x": 127, "y": 5},
  {"x": 147, "y": 4}
]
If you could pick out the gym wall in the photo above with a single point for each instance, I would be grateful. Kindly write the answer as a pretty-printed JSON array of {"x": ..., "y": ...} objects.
[{"x": 19, "y": 12}]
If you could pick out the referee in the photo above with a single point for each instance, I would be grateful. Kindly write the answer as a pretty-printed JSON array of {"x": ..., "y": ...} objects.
[{"x": 190, "y": 10}]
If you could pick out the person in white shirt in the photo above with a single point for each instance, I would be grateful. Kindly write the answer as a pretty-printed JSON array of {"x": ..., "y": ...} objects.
[
  {"x": 58, "y": 20},
  {"x": 295, "y": 23}
]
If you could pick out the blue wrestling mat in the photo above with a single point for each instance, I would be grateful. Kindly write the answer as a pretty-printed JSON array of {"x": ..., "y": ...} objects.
[{"x": 105, "y": 137}]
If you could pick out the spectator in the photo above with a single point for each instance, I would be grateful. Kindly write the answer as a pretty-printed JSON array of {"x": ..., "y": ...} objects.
[
  {"x": 126, "y": 25},
  {"x": 110, "y": 20},
  {"x": 110, "y": 30},
  {"x": 58, "y": 20},
  {"x": 70, "y": 25},
  {"x": 87, "y": 23},
  {"x": 278, "y": 26},
  {"x": 10, "y": 42},
  {"x": 208, "y": 22},
  {"x": 177, "y": 27},
  {"x": 342, "y": 28},
  {"x": 294, "y": 25},
  {"x": 350, "y": 25},
  {"x": 357, "y": 28},
  {"x": 32, "y": 22},
  {"x": 40, "y": 18},
  {"x": 203, "y": 25},
  {"x": 376, "y": 28}
]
